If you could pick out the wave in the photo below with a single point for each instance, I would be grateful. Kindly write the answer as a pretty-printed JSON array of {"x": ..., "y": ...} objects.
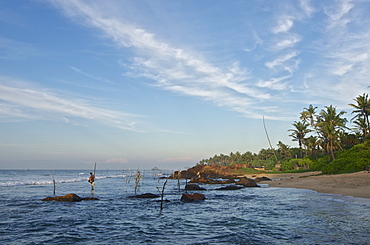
[{"x": 62, "y": 180}]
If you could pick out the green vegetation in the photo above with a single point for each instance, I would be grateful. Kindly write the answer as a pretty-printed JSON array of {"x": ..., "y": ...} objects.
[
  {"x": 325, "y": 144},
  {"x": 249, "y": 171}
]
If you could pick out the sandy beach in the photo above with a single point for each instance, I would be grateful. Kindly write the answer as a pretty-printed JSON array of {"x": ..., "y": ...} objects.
[{"x": 354, "y": 184}]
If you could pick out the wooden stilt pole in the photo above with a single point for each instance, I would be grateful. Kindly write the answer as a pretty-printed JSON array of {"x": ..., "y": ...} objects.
[
  {"x": 268, "y": 138},
  {"x": 52, "y": 175}
]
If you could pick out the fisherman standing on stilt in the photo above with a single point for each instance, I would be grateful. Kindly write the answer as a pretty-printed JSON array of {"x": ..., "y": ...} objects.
[{"x": 91, "y": 180}]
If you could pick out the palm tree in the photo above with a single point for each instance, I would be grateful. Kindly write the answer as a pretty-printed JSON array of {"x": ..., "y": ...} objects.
[
  {"x": 361, "y": 125},
  {"x": 309, "y": 113},
  {"x": 312, "y": 144},
  {"x": 284, "y": 151},
  {"x": 329, "y": 124},
  {"x": 299, "y": 132},
  {"x": 362, "y": 110}
]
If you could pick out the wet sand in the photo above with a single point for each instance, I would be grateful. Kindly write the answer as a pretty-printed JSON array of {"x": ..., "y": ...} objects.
[{"x": 354, "y": 184}]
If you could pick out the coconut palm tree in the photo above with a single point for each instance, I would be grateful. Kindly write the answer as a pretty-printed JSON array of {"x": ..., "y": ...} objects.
[
  {"x": 329, "y": 124},
  {"x": 309, "y": 113},
  {"x": 312, "y": 145},
  {"x": 362, "y": 111},
  {"x": 299, "y": 132},
  {"x": 361, "y": 125}
]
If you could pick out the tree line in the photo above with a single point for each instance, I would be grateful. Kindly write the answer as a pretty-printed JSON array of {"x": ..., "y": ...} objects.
[{"x": 322, "y": 136}]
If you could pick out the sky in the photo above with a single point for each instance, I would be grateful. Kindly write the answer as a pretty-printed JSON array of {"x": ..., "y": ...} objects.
[{"x": 143, "y": 84}]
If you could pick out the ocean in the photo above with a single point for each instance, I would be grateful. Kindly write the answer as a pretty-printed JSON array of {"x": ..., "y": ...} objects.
[{"x": 263, "y": 215}]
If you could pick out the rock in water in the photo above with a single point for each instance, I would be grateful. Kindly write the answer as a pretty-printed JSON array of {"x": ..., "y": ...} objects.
[
  {"x": 146, "y": 195},
  {"x": 194, "y": 187},
  {"x": 258, "y": 179},
  {"x": 90, "y": 198},
  {"x": 247, "y": 182},
  {"x": 192, "y": 197},
  {"x": 67, "y": 198},
  {"x": 230, "y": 187}
]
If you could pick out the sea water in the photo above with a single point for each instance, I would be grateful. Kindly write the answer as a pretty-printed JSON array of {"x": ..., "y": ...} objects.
[{"x": 263, "y": 215}]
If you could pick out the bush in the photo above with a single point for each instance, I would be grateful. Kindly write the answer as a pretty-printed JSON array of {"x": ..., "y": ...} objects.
[
  {"x": 267, "y": 164},
  {"x": 352, "y": 160},
  {"x": 319, "y": 164},
  {"x": 297, "y": 163}
]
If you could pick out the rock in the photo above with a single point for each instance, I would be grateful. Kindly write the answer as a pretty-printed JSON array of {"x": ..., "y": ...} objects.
[
  {"x": 192, "y": 197},
  {"x": 89, "y": 199},
  {"x": 247, "y": 182},
  {"x": 67, "y": 198},
  {"x": 206, "y": 180},
  {"x": 258, "y": 179},
  {"x": 146, "y": 195},
  {"x": 194, "y": 187},
  {"x": 230, "y": 187},
  {"x": 163, "y": 200}
]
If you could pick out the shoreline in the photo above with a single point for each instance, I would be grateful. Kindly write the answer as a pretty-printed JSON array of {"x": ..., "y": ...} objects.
[{"x": 353, "y": 184}]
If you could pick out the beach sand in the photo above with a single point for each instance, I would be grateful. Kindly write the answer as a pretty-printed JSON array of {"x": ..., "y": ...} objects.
[{"x": 353, "y": 184}]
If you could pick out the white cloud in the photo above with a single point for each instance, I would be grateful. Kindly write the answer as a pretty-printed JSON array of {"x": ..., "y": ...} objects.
[
  {"x": 307, "y": 8},
  {"x": 89, "y": 75},
  {"x": 116, "y": 160},
  {"x": 274, "y": 83},
  {"x": 255, "y": 40},
  {"x": 285, "y": 23},
  {"x": 173, "y": 69},
  {"x": 288, "y": 42},
  {"x": 27, "y": 102},
  {"x": 337, "y": 14},
  {"x": 281, "y": 60}
]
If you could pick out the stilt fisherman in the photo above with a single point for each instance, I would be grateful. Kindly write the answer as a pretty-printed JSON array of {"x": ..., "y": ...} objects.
[{"x": 92, "y": 180}]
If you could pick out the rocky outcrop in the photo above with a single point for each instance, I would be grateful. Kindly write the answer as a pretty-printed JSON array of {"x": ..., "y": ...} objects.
[
  {"x": 192, "y": 197},
  {"x": 210, "y": 171},
  {"x": 247, "y": 182},
  {"x": 259, "y": 179},
  {"x": 146, "y": 195},
  {"x": 230, "y": 187},
  {"x": 204, "y": 180},
  {"x": 194, "y": 187}
]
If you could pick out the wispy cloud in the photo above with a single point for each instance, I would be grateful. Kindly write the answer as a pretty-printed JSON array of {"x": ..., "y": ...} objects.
[
  {"x": 116, "y": 160},
  {"x": 275, "y": 83},
  {"x": 288, "y": 42},
  {"x": 173, "y": 69},
  {"x": 282, "y": 60},
  {"x": 13, "y": 50},
  {"x": 307, "y": 7},
  {"x": 337, "y": 13},
  {"x": 90, "y": 76},
  {"x": 285, "y": 23},
  {"x": 26, "y": 102}
]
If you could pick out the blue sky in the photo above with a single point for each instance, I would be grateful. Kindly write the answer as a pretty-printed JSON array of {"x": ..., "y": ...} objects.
[{"x": 138, "y": 84}]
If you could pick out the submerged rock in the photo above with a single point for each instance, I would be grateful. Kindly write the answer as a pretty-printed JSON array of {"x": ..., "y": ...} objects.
[
  {"x": 194, "y": 187},
  {"x": 192, "y": 197},
  {"x": 230, "y": 187},
  {"x": 67, "y": 198},
  {"x": 146, "y": 195},
  {"x": 90, "y": 199}
]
